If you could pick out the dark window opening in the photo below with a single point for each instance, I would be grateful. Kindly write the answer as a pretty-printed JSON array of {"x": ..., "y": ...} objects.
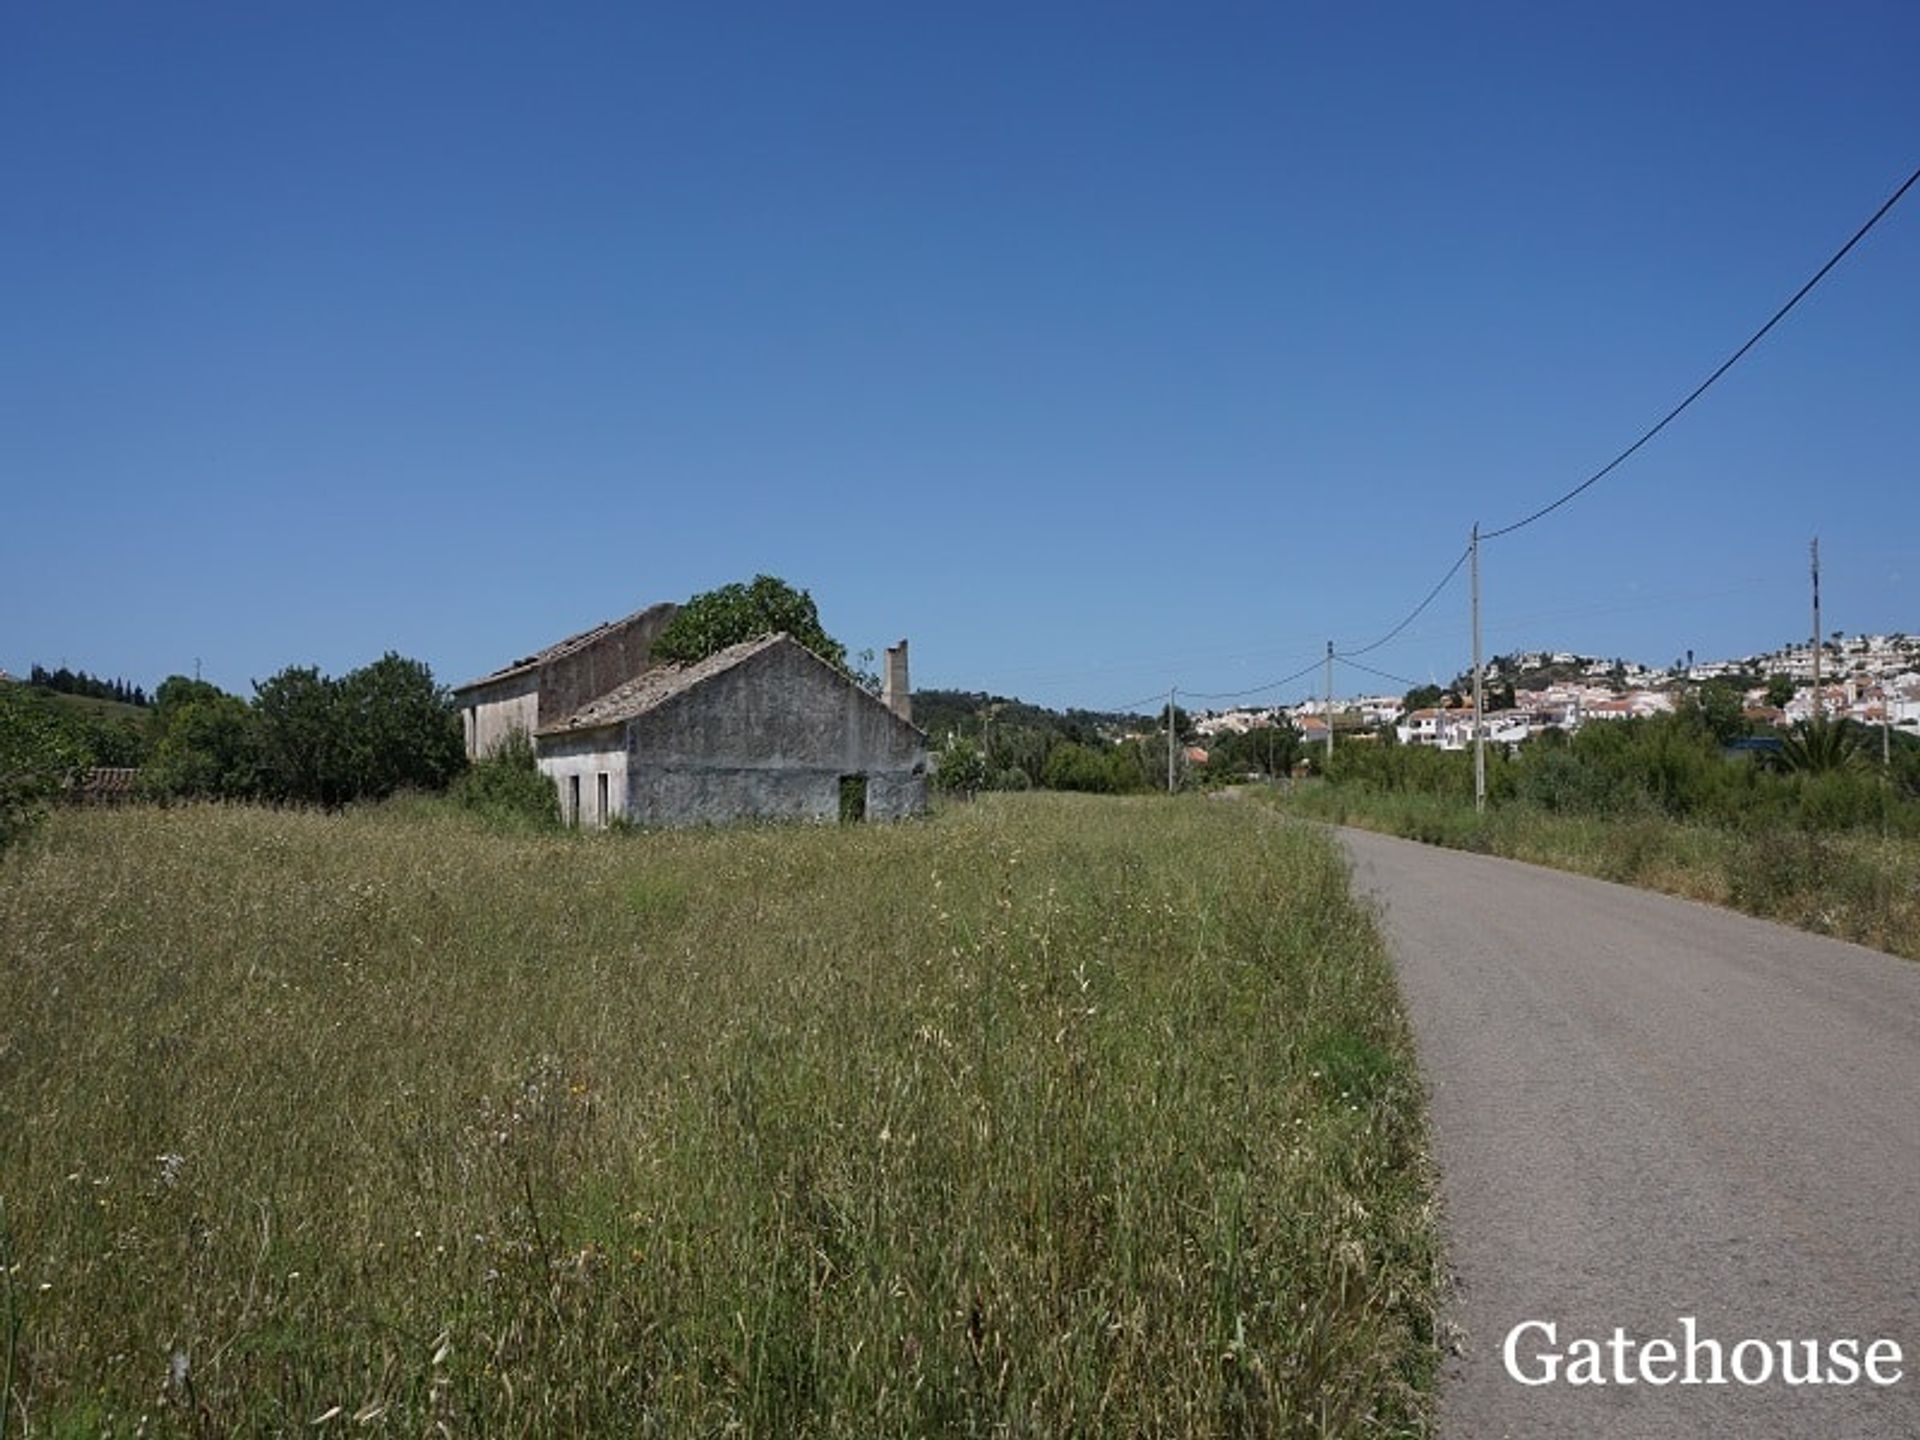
[
  {"x": 853, "y": 799},
  {"x": 603, "y": 798},
  {"x": 573, "y": 800}
]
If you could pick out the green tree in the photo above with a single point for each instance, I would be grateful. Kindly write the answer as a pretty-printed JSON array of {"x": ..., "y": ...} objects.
[
  {"x": 396, "y": 730},
  {"x": 961, "y": 768},
  {"x": 117, "y": 741},
  {"x": 205, "y": 751},
  {"x": 1820, "y": 747},
  {"x": 40, "y": 752},
  {"x": 1779, "y": 691},
  {"x": 1424, "y": 697},
  {"x": 1268, "y": 749},
  {"x": 1075, "y": 767},
  {"x": 175, "y": 691},
  {"x": 715, "y": 619},
  {"x": 297, "y": 732},
  {"x": 1722, "y": 709}
]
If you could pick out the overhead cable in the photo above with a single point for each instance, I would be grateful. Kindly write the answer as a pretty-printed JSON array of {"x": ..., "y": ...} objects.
[
  {"x": 1725, "y": 365},
  {"x": 1412, "y": 614},
  {"x": 1254, "y": 689},
  {"x": 1383, "y": 674}
]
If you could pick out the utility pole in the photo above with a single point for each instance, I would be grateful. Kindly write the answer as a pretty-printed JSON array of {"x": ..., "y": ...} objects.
[
  {"x": 1816, "y": 629},
  {"x": 1479, "y": 738},
  {"x": 1171, "y": 692},
  {"x": 1329, "y": 702}
]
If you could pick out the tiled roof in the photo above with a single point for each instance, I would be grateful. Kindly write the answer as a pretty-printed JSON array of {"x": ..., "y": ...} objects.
[
  {"x": 653, "y": 688},
  {"x": 110, "y": 780},
  {"x": 559, "y": 650}
]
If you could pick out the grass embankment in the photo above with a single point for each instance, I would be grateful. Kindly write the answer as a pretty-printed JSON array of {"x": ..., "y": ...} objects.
[
  {"x": 1049, "y": 1115},
  {"x": 1853, "y": 884},
  {"x": 95, "y": 708}
]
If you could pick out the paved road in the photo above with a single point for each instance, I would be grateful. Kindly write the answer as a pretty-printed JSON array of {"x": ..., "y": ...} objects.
[{"x": 1645, "y": 1109}]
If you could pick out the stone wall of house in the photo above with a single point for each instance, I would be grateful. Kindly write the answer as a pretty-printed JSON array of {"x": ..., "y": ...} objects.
[
  {"x": 589, "y": 769},
  {"x": 772, "y": 738},
  {"x": 605, "y": 662},
  {"x": 489, "y": 713}
]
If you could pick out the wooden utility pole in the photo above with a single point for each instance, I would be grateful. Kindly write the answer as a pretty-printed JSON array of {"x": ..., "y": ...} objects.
[
  {"x": 1816, "y": 629},
  {"x": 1479, "y": 738},
  {"x": 1329, "y": 702},
  {"x": 1171, "y": 692}
]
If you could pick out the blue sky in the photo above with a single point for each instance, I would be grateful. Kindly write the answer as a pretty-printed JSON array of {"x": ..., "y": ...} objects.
[{"x": 1094, "y": 348}]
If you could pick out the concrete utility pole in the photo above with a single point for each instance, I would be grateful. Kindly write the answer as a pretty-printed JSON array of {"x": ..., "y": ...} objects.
[
  {"x": 1171, "y": 692},
  {"x": 1329, "y": 702},
  {"x": 1816, "y": 629},
  {"x": 1479, "y": 737}
]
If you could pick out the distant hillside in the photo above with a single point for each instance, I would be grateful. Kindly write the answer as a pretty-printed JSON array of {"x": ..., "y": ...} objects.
[
  {"x": 107, "y": 732},
  {"x": 79, "y": 682},
  {"x": 947, "y": 712},
  {"x": 94, "y": 708},
  {"x": 1536, "y": 670}
]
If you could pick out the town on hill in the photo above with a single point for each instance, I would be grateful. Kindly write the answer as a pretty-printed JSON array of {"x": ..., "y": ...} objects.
[{"x": 1870, "y": 679}]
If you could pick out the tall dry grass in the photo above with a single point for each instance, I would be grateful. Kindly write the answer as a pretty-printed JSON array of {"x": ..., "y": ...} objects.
[
  {"x": 1046, "y": 1116},
  {"x": 1853, "y": 884}
]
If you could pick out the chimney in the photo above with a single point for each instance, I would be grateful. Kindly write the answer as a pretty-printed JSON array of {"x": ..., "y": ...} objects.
[{"x": 893, "y": 685}]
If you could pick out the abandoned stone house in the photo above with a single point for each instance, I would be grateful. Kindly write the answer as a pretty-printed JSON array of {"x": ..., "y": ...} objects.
[{"x": 762, "y": 730}]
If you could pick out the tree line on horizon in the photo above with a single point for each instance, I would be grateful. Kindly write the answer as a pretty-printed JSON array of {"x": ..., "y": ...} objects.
[
  {"x": 991, "y": 742},
  {"x": 308, "y": 738},
  {"x": 303, "y": 738},
  {"x": 1704, "y": 762},
  {"x": 63, "y": 681}
]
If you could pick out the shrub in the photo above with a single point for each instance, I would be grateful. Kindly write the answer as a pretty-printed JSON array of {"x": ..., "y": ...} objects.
[
  {"x": 39, "y": 753},
  {"x": 206, "y": 751},
  {"x": 961, "y": 768},
  {"x": 507, "y": 787}
]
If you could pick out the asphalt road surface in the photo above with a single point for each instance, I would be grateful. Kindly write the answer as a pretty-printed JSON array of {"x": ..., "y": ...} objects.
[{"x": 1646, "y": 1109}]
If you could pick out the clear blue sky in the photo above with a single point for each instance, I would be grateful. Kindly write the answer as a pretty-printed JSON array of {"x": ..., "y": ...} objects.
[{"x": 1094, "y": 348}]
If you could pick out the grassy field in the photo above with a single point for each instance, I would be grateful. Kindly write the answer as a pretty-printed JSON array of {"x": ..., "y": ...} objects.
[
  {"x": 1848, "y": 883},
  {"x": 104, "y": 711},
  {"x": 1048, "y": 1115}
]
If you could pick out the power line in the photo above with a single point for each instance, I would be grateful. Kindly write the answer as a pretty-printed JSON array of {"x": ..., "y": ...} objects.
[
  {"x": 1725, "y": 366},
  {"x": 1383, "y": 674},
  {"x": 1131, "y": 707},
  {"x": 1517, "y": 624},
  {"x": 1412, "y": 614},
  {"x": 1347, "y": 656},
  {"x": 1252, "y": 690}
]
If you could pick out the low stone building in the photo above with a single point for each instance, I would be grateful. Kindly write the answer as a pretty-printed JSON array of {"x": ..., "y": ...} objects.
[{"x": 761, "y": 730}]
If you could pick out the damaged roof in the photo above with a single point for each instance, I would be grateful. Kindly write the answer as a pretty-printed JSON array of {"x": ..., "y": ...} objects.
[
  {"x": 653, "y": 688},
  {"x": 559, "y": 650}
]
